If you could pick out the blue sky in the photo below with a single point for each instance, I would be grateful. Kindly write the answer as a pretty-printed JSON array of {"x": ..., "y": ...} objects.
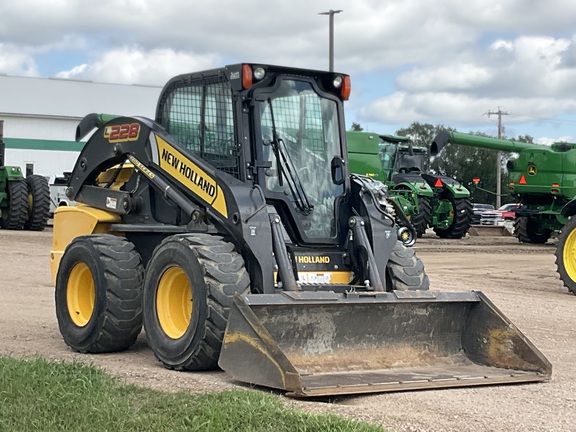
[{"x": 433, "y": 61}]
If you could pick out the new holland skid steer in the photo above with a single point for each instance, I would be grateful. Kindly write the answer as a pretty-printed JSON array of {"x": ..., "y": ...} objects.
[{"x": 230, "y": 228}]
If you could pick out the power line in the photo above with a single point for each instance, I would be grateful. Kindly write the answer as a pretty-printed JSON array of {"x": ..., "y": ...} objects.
[{"x": 499, "y": 113}]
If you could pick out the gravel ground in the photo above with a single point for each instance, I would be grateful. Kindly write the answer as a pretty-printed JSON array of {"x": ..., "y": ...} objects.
[{"x": 520, "y": 279}]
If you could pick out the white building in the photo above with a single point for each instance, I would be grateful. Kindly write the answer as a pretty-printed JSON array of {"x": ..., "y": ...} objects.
[{"x": 41, "y": 114}]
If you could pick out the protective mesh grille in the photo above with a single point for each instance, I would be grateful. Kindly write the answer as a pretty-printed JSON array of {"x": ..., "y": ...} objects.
[{"x": 200, "y": 118}]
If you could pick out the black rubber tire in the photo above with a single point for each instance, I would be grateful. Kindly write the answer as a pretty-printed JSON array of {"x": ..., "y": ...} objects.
[
  {"x": 191, "y": 339},
  {"x": 526, "y": 231},
  {"x": 566, "y": 255},
  {"x": 461, "y": 219},
  {"x": 116, "y": 271},
  {"x": 14, "y": 217},
  {"x": 38, "y": 203},
  {"x": 421, "y": 221},
  {"x": 405, "y": 271}
]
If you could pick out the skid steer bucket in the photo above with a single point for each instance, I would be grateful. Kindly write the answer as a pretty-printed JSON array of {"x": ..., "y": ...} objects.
[{"x": 324, "y": 343}]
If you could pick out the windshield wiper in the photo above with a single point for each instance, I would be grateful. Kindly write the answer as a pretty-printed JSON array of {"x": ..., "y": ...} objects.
[{"x": 285, "y": 168}]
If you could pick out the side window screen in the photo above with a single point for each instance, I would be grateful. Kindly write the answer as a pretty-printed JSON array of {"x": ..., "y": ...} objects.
[{"x": 200, "y": 118}]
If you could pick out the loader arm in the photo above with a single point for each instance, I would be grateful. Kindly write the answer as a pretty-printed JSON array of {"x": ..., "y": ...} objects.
[{"x": 202, "y": 197}]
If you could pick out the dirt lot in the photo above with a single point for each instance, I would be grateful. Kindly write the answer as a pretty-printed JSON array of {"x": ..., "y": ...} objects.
[{"x": 520, "y": 279}]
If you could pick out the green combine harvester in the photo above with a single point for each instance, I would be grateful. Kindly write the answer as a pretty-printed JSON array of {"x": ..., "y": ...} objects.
[
  {"x": 24, "y": 202},
  {"x": 543, "y": 180},
  {"x": 429, "y": 200}
]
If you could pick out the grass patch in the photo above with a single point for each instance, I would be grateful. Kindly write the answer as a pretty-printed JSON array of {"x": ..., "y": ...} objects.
[{"x": 41, "y": 395}]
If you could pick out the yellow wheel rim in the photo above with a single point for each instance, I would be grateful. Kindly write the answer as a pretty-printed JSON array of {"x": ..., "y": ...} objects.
[
  {"x": 569, "y": 255},
  {"x": 174, "y": 302},
  {"x": 30, "y": 204},
  {"x": 451, "y": 212},
  {"x": 80, "y": 294}
]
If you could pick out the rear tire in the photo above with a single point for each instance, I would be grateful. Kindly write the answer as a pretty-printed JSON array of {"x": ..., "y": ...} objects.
[
  {"x": 14, "y": 217},
  {"x": 405, "y": 271},
  {"x": 38, "y": 203},
  {"x": 99, "y": 294},
  {"x": 566, "y": 255},
  {"x": 190, "y": 283},
  {"x": 461, "y": 215},
  {"x": 527, "y": 231}
]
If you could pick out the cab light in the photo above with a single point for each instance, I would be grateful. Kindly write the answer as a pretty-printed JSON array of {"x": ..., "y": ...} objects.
[
  {"x": 337, "y": 81},
  {"x": 346, "y": 88},
  {"x": 246, "y": 76},
  {"x": 259, "y": 73}
]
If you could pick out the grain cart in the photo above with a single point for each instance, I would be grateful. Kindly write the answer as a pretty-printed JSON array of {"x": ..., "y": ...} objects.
[
  {"x": 543, "y": 179},
  {"x": 24, "y": 202},
  {"x": 430, "y": 200},
  {"x": 230, "y": 228}
]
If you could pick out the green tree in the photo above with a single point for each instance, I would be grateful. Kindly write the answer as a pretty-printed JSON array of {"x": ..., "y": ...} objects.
[
  {"x": 356, "y": 127},
  {"x": 422, "y": 135},
  {"x": 464, "y": 163}
]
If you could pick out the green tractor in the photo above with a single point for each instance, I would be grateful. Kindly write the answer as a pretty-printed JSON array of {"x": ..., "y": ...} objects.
[
  {"x": 429, "y": 200},
  {"x": 24, "y": 202}
]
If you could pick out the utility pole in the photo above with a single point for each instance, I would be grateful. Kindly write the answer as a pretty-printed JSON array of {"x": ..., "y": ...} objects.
[
  {"x": 331, "y": 14},
  {"x": 499, "y": 113}
]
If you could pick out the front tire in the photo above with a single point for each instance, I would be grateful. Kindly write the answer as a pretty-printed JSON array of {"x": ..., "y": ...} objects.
[
  {"x": 460, "y": 215},
  {"x": 99, "y": 294},
  {"x": 422, "y": 219},
  {"x": 405, "y": 271},
  {"x": 14, "y": 217},
  {"x": 566, "y": 255},
  {"x": 190, "y": 282},
  {"x": 38, "y": 203}
]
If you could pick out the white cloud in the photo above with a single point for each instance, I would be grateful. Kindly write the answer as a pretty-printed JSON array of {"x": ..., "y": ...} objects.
[
  {"x": 462, "y": 76},
  {"x": 434, "y": 60},
  {"x": 458, "y": 108},
  {"x": 14, "y": 61},
  {"x": 131, "y": 65}
]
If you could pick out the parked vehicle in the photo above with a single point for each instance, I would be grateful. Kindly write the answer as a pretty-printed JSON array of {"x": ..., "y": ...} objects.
[
  {"x": 541, "y": 178},
  {"x": 478, "y": 209},
  {"x": 491, "y": 217},
  {"x": 58, "y": 186},
  {"x": 508, "y": 211},
  {"x": 24, "y": 201},
  {"x": 500, "y": 215}
]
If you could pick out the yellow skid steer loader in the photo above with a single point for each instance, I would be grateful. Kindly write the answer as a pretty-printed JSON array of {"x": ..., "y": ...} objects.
[{"x": 230, "y": 229}]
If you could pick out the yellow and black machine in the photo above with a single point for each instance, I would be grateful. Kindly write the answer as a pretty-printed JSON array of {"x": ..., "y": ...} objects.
[{"x": 230, "y": 229}]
